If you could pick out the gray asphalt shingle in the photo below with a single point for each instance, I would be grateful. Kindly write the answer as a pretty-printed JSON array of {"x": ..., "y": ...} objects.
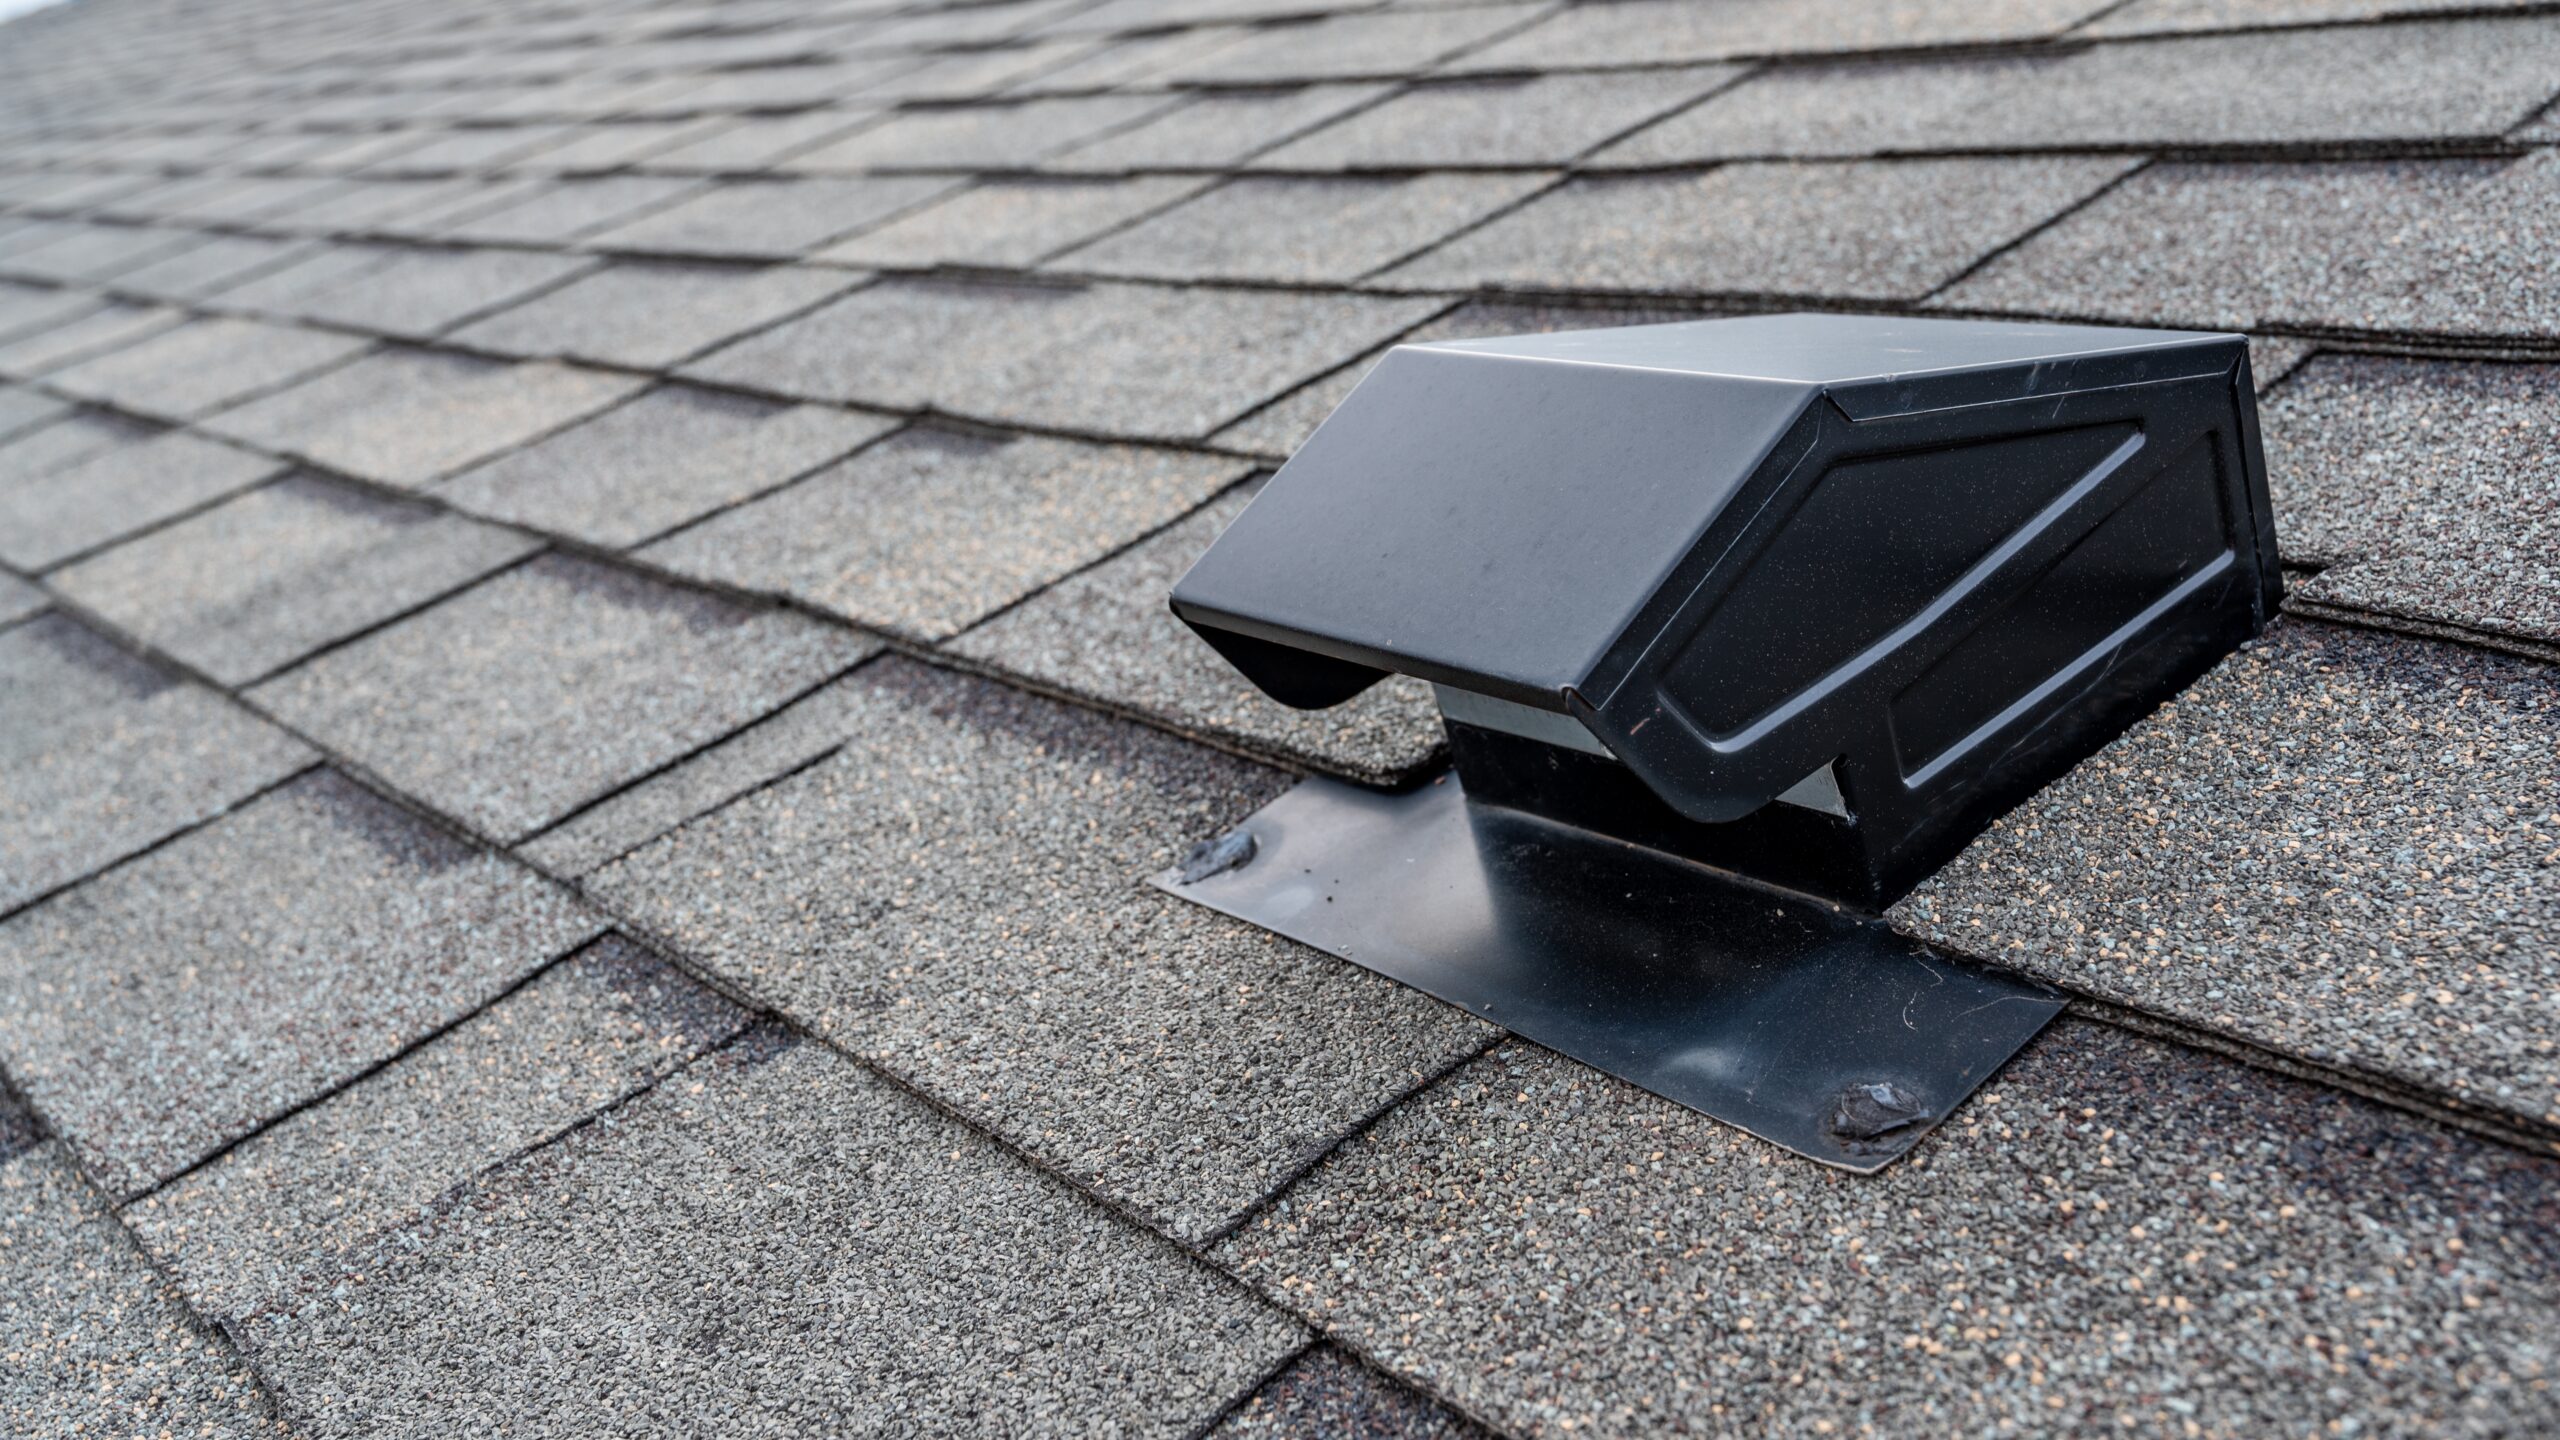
[
  {"x": 1301, "y": 230},
  {"x": 657, "y": 462},
  {"x": 96, "y": 1341},
  {"x": 1325, "y": 1393},
  {"x": 397, "y": 290},
  {"x": 22, "y": 410},
  {"x": 94, "y": 332},
  {"x": 697, "y": 1248},
  {"x": 200, "y": 272},
  {"x": 2446, "y": 82},
  {"x": 555, "y": 212},
  {"x": 1874, "y": 231},
  {"x": 1216, "y": 128},
  {"x": 540, "y": 689},
  {"x": 77, "y": 508},
  {"x": 1105, "y": 635},
  {"x": 2156, "y": 1236},
  {"x": 142, "y": 1012},
  {"x": 1541, "y": 120},
  {"x": 1139, "y": 361},
  {"x": 1359, "y": 46},
  {"x": 771, "y": 219},
  {"x": 264, "y": 579},
  {"x": 1011, "y": 224},
  {"x": 408, "y": 417},
  {"x": 1655, "y": 32},
  {"x": 977, "y": 137},
  {"x": 582, "y": 1035},
  {"x": 18, "y": 599},
  {"x": 2336, "y": 845},
  {"x": 927, "y": 533},
  {"x": 65, "y": 440},
  {"x": 2447, "y": 247},
  {"x": 959, "y": 894},
  {"x": 204, "y": 365},
  {"x": 2430, "y": 490},
  {"x": 650, "y": 316},
  {"x": 2154, "y": 17}
]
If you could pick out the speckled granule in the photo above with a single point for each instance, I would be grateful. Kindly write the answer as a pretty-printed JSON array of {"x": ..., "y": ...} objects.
[
  {"x": 771, "y": 1244},
  {"x": 2116, "y": 1235},
  {"x": 2340, "y": 845},
  {"x": 178, "y": 1002},
  {"x": 961, "y": 894},
  {"x": 1303, "y": 230},
  {"x": 1327, "y": 1395}
]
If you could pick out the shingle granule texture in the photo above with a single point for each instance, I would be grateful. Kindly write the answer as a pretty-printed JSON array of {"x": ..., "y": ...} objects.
[
  {"x": 744, "y": 145},
  {"x": 22, "y": 410},
  {"x": 648, "y": 316},
  {"x": 582, "y": 1035},
  {"x": 1105, "y": 635},
  {"x": 978, "y": 136},
  {"x": 554, "y": 212},
  {"x": 773, "y": 1244},
  {"x": 2431, "y": 490},
  {"x": 2339, "y": 845},
  {"x": 201, "y": 272},
  {"x": 106, "y": 328},
  {"x": 1216, "y": 128},
  {"x": 1132, "y": 360},
  {"x": 929, "y": 532},
  {"x": 2156, "y": 17},
  {"x": 806, "y": 730},
  {"x": 959, "y": 893},
  {"x": 34, "y": 309},
  {"x": 1345, "y": 47},
  {"x": 407, "y": 417},
  {"x": 179, "y": 1002},
  {"x": 515, "y": 702},
  {"x": 2118, "y": 1234},
  {"x": 1653, "y": 32},
  {"x": 1326, "y": 1395},
  {"x": 670, "y": 456},
  {"x": 1546, "y": 120},
  {"x": 1301, "y": 230},
  {"x": 64, "y": 441},
  {"x": 263, "y": 579},
  {"x": 399, "y": 291},
  {"x": 92, "y": 1341},
  {"x": 204, "y": 365},
  {"x": 1011, "y": 224},
  {"x": 77, "y": 508},
  {"x": 1854, "y": 231},
  {"x": 2463, "y": 80},
  {"x": 18, "y": 599},
  {"x": 101, "y": 755},
  {"x": 772, "y": 219},
  {"x": 2445, "y": 247}
]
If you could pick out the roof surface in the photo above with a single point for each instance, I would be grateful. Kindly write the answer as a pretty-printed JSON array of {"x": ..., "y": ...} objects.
[{"x": 585, "y": 706}]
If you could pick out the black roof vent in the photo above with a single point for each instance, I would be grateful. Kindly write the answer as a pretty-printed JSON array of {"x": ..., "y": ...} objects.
[{"x": 1809, "y": 597}]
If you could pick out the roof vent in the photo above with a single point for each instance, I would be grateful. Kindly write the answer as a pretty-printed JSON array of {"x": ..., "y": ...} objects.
[{"x": 1806, "y": 599}]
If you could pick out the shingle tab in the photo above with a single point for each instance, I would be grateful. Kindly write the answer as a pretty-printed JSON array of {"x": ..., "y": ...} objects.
[
  {"x": 33, "y": 309},
  {"x": 1215, "y": 129},
  {"x": 764, "y": 1209},
  {"x": 2456, "y": 81},
  {"x": 1327, "y": 1393},
  {"x": 93, "y": 333},
  {"x": 18, "y": 599},
  {"x": 259, "y": 581},
  {"x": 97, "y": 1343},
  {"x": 200, "y": 272},
  {"x": 1551, "y": 1247},
  {"x": 515, "y": 702},
  {"x": 958, "y": 892},
  {"x": 65, "y": 441},
  {"x": 204, "y": 365},
  {"x": 555, "y": 212},
  {"x": 929, "y": 532},
  {"x": 2336, "y": 846},
  {"x": 1654, "y": 32},
  {"x": 1011, "y": 224},
  {"x": 2154, "y": 17},
  {"x": 772, "y": 219},
  {"x": 1359, "y": 46},
  {"x": 1106, "y": 635},
  {"x": 591, "y": 1030},
  {"x": 1302, "y": 230},
  {"x": 668, "y": 457},
  {"x": 80, "y": 507},
  {"x": 1877, "y": 231},
  {"x": 406, "y": 417},
  {"x": 2450, "y": 247},
  {"x": 1140, "y": 361},
  {"x": 651, "y": 316},
  {"x": 142, "y": 1012},
  {"x": 22, "y": 410},
  {"x": 1540, "y": 120},
  {"x": 746, "y": 145},
  {"x": 978, "y": 137},
  {"x": 401, "y": 291},
  {"x": 2430, "y": 490}
]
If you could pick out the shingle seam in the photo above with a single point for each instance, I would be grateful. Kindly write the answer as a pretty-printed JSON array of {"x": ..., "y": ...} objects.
[
  {"x": 352, "y": 1079},
  {"x": 376, "y": 627},
  {"x": 2031, "y": 232},
  {"x": 182, "y": 832},
  {"x": 1559, "y": 181},
  {"x": 2400, "y": 622},
  {"x": 153, "y": 527},
  {"x": 1220, "y": 1417}
]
